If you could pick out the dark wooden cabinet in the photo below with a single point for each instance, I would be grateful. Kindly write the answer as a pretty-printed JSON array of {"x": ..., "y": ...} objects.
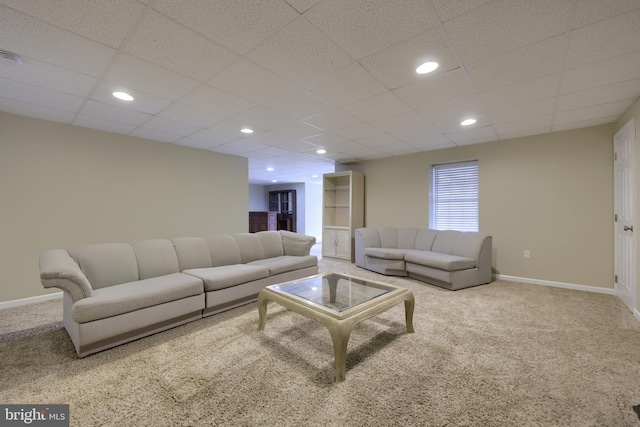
[
  {"x": 263, "y": 221},
  {"x": 283, "y": 202}
]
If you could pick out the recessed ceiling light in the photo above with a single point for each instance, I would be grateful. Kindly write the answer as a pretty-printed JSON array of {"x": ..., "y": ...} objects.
[
  {"x": 468, "y": 122},
  {"x": 427, "y": 67},
  {"x": 321, "y": 151},
  {"x": 314, "y": 176},
  {"x": 123, "y": 96},
  {"x": 270, "y": 169},
  {"x": 246, "y": 130},
  {"x": 274, "y": 180}
]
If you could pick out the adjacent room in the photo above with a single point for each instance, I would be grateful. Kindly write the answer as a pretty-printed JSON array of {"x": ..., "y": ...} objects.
[{"x": 286, "y": 141}]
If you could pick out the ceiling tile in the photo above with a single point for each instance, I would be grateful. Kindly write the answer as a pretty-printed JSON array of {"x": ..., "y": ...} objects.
[
  {"x": 362, "y": 130},
  {"x": 261, "y": 117},
  {"x": 590, "y": 11},
  {"x": 522, "y": 111},
  {"x": 39, "y": 96},
  {"x": 114, "y": 113},
  {"x": 154, "y": 135},
  {"x": 39, "y": 73},
  {"x": 250, "y": 81},
  {"x": 407, "y": 120},
  {"x": 455, "y": 110},
  {"x": 216, "y": 101},
  {"x": 347, "y": 85},
  {"x": 297, "y": 130},
  {"x": 300, "y": 53},
  {"x": 436, "y": 90},
  {"x": 232, "y": 127},
  {"x": 136, "y": 74},
  {"x": 299, "y": 104},
  {"x": 170, "y": 45},
  {"x": 143, "y": 102},
  {"x": 302, "y": 5},
  {"x": 26, "y": 36},
  {"x": 605, "y": 39},
  {"x": 170, "y": 126},
  {"x": 520, "y": 93},
  {"x": 432, "y": 142},
  {"x": 378, "y": 107},
  {"x": 396, "y": 65},
  {"x": 601, "y": 95},
  {"x": 100, "y": 124},
  {"x": 239, "y": 26},
  {"x": 584, "y": 123},
  {"x": 379, "y": 140},
  {"x": 107, "y": 22},
  {"x": 36, "y": 111},
  {"x": 619, "y": 69},
  {"x": 518, "y": 126},
  {"x": 504, "y": 25},
  {"x": 612, "y": 109},
  {"x": 416, "y": 133},
  {"x": 524, "y": 133},
  {"x": 193, "y": 116},
  {"x": 332, "y": 120},
  {"x": 518, "y": 65},
  {"x": 363, "y": 28},
  {"x": 325, "y": 139},
  {"x": 451, "y": 124},
  {"x": 213, "y": 138},
  {"x": 473, "y": 134},
  {"x": 398, "y": 149},
  {"x": 448, "y": 9}
]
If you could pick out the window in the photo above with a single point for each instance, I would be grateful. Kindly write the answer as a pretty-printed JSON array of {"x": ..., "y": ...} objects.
[{"x": 453, "y": 200}]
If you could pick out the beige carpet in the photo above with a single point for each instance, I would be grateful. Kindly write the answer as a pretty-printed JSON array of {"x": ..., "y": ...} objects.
[{"x": 504, "y": 354}]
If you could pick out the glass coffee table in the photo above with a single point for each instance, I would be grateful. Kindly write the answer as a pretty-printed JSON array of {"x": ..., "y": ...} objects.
[{"x": 339, "y": 302}]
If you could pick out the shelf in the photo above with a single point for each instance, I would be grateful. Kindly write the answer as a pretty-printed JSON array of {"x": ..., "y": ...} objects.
[{"x": 337, "y": 227}]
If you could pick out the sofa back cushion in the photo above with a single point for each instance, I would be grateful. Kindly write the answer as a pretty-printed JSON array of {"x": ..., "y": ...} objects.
[
  {"x": 192, "y": 252},
  {"x": 388, "y": 237},
  {"x": 106, "y": 264},
  {"x": 155, "y": 257},
  {"x": 407, "y": 238},
  {"x": 468, "y": 245},
  {"x": 444, "y": 241},
  {"x": 271, "y": 243},
  {"x": 224, "y": 250},
  {"x": 250, "y": 247},
  {"x": 425, "y": 238}
]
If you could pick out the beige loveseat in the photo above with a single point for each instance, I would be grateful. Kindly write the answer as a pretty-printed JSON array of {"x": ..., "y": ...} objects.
[
  {"x": 450, "y": 259},
  {"x": 118, "y": 292}
]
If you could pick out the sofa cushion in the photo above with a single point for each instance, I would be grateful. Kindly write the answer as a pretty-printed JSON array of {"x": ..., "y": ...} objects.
[
  {"x": 388, "y": 237},
  {"x": 407, "y": 238},
  {"x": 106, "y": 264},
  {"x": 285, "y": 263},
  {"x": 444, "y": 241},
  {"x": 439, "y": 261},
  {"x": 224, "y": 250},
  {"x": 156, "y": 257},
  {"x": 127, "y": 297},
  {"x": 385, "y": 253},
  {"x": 225, "y": 276},
  {"x": 425, "y": 238},
  {"x": 296, "y": 244},
  {"x": 271, "y": 243},
  {"x": 250, "y": 247},
  {"x": 193, "y": 252}
]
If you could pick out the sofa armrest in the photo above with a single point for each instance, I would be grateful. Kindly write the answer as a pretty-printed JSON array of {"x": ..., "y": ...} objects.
[
  {"x": 296, "y": 244},
  {"x": 58, "y": 269},
  {"x": 366, "y": 237}
]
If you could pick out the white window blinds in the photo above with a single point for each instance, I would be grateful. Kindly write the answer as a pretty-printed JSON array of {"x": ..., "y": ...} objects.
[{"x": 453, "y": 203}]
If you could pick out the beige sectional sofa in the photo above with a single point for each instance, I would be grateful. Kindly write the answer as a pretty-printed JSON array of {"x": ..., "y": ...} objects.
[
  {"x": 450, "y": 259},
  {"x": 118, "y": 292}
]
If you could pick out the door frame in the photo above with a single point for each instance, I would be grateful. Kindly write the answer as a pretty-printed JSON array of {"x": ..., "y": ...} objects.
[{"x": 631, "y": 301}]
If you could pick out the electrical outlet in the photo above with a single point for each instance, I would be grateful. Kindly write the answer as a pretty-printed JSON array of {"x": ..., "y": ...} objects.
[{"x": 527, "y": 254}]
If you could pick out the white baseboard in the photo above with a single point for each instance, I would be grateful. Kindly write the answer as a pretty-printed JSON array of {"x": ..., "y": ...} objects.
[
  {"x": 557, "y": 284},
  {"x": 30, "y": 300}
]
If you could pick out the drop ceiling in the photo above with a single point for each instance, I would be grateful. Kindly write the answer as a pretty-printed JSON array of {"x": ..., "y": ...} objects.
[{"x": 310, "y": 74}]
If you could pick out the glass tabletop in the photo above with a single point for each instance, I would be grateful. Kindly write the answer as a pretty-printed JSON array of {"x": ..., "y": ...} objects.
[{"x": 334, "y": 291}]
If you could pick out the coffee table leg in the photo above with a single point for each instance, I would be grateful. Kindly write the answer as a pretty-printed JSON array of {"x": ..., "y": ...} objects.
[
  {"x": 262, "y": 311},
  {"x": 409, "y": 303},
  {"x": 340, "y": 333}
]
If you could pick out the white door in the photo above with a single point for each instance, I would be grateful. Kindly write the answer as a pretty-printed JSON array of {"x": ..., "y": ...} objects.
[{"x": 624, "y": 210}]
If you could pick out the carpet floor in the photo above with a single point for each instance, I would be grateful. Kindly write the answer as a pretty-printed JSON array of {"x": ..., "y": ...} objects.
[{"x": 503, "y": 354}]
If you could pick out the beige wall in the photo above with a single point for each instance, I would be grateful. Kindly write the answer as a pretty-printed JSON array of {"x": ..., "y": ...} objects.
[
  {"x": 63, "y": 186},
  {"x": 634, "y": 112},
  {"x": 551, "y": 194}
]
